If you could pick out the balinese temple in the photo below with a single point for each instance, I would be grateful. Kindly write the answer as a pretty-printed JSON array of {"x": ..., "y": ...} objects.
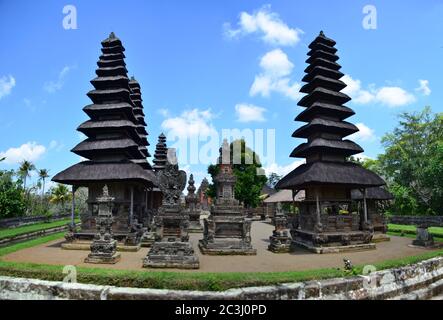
[
  {"x": 115, "y": 147},
  {"x": 377, "y": 200},
  {"x": 328, "y": 219},
  {"x": 161, "y": 153}
]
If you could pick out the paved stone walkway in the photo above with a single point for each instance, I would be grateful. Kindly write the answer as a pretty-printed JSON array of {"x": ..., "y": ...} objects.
[{"x": 265, "y": 261}]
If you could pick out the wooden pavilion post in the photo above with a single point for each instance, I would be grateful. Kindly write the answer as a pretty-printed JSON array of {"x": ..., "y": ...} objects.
[
  {"x": 74, "y": 188},
  {"x": 131, "y": 211},
  {"x": 365, "y": 207}
]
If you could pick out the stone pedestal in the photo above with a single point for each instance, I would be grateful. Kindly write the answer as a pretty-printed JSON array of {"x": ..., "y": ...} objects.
[
  {"x": 104, "y": 247},
  {"x": 227, "y": 231},
  {"x": 424, "y": 238},
  {"x": 280, "y": 239}
]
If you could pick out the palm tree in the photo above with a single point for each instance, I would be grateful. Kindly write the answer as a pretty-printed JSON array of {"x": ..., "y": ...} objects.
[
  {"x": 60, "y": 194},
  {"x": 24, "y": 171},
  {"x": 42, "y": 175}
]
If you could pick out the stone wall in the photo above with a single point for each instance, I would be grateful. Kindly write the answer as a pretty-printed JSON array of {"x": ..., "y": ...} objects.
[
  {"x": 433, "y": 221},
  {"x": 419, "y": 281},
  {"x": 21, "y": 221}
]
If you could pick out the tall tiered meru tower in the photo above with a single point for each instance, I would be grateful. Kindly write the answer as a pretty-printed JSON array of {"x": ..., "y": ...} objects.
[
  {"x": 328, "y": 219},
  {"x": 115, "y": 147}
]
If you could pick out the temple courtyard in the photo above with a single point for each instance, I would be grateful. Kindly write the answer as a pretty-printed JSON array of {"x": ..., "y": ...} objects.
[{"x": 265, "y": 261}]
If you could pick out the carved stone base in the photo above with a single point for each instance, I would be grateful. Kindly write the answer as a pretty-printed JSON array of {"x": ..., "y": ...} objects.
[
  {"x": 147, "y": 239},
  {"x": 226, "y": 247},
  {"x": 280, "y": 242},
  {"x": 86, "y": 245},
  {"x": 333, "y": 242},
  {"x": 339, "y": 249},
  {"x": 424, "y": 238},
  {"x": 103, "y": 251},
  {"x": 178, "y": 255},
  {"x": 99, "y": 259},
  {"x": 423, "y": 243},
  {"x": 380, "y": 237}
]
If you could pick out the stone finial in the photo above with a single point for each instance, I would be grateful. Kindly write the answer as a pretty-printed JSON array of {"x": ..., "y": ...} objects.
[
  {"x": 322, "y": 34},
  {"x": 112, "y": 35}
]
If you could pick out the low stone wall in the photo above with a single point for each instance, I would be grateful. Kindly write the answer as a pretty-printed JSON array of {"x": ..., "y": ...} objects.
[
  {"x": 433, "y": 221},
  {"x": 31, "y": 235},
  {"x": 419, "y": 281},
  {"x": 21, "y": 221}
]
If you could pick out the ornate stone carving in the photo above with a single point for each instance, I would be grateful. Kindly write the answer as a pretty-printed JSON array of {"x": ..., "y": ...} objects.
[
  {"x": 424, "y": 238},
  {"x": 192, "y": 208},
  {"x": 280, "y": 239},
  {"x": 171, "y": 248},
  {"x": 226, "y": 230},
  {"x": 104, "y": 247}
]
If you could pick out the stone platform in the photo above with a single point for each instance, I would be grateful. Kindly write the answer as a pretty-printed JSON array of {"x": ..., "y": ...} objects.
[
  {"x": 226, "y": 247},
  {"x": 380, "y": 237},
  {"x": 103, "y": 259},
  {"x": 171, "y": 255},
  {"x": 86, "y": 245},
  {"x": 336, "y": 249}
]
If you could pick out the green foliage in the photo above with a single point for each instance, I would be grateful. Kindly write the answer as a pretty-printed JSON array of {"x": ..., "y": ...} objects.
[
  {"x": 12, "y": 201},
  {"x": 412, "y": 163},
  {"x": 60, "y": 195},
  {"x": 25, "y": 171}
]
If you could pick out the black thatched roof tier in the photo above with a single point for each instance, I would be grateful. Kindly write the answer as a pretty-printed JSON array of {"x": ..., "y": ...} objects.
[
  {"x": 322, "y": 39},
  {"x": 341, "y": 128},
  {"x": 322, "y": 94},
  {"x": 324, "y": 82},
  {"x": 377, "y": 193},
  {"x": 143, "y": 163},
  {"x": 111, "y": 71},
  {"x": 102, "y": 83},
  {"x": 117, "y": 94},
  {"x": 320, "y": 62},
  {"x": 330, "y": 173},
  {"x": 340, "y": 147},
  {"x": 94, "y": 111},
  {"x": 326, "y": 109},
  {"x": 322, "y": 71},
  {"x": 113, "y": 50},
  {"x": 314, "y": 54},
  {"x": 87, "y": 172},
  {"x": 90, "y": 148},
  {"x": 111, "y": 41}
]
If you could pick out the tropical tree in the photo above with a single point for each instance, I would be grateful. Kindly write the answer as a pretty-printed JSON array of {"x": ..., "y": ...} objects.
[
  {"x": 413, "y": 163},
  {"x": 60, "y": 194},
  {"x": 43, "y": 174},
  {"x": 12, "y": 202},
  {"x": 24, "y": 171}
]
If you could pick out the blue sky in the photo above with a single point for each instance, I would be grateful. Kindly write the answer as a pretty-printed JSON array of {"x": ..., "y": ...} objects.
[{"x": 205, "y": 66}]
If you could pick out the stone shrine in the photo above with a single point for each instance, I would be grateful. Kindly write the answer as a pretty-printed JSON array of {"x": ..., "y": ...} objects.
[
  {"x": 227, "y": 231},
  {"x": 192, "y": 207},
  {"x": 424, "y": 238},
  {"x": 104, "y": 247},
  {"x": 280, "y": 239},
  {"x": 172, "y": 248}
]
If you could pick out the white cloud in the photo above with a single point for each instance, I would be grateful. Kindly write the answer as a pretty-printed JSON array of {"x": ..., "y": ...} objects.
[
  {"x": 249, "y": 113},
  {"x": 365, "y": 133},
  {"x": 394, "y": 97},
  {"x": 6, "y": 85},
  {"x": 164, "y": 112},
  {"x": 190, "y": 123},
  {"x": 30, "y": 151},
  {"x": 266, "y": 23},
  {"x": 55, "y": 145},
  {"x": 424, "y": 87},
  {"x": 53, "y": 86},
  {"x": 282, "y": 170},
  {"x": 389, "y": 96},
  {"x": 276, "y": 69}
]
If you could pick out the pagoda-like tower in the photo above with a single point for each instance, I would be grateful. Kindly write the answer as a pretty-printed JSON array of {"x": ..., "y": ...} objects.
[
  {"x": 328, "y": 217},
  {"x": 141, "y": 124},
  {"x": 201, "y": 193},
  {"x": 191, "y": 207},
  {"x": 161, "y": 153},
  {"x": 112, "y": 146}
]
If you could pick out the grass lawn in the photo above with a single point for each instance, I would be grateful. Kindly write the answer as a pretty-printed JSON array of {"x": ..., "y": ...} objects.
[
  {"x": 11, "y": 232},
  {"x": 410, "y": 231},
  {"x": 177, "y": 280}
]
